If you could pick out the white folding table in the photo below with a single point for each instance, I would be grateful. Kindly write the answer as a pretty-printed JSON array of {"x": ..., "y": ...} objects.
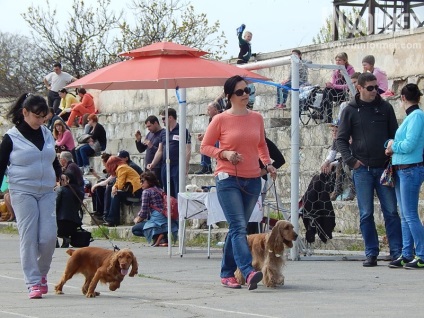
[{"x": 205, "y": 205}]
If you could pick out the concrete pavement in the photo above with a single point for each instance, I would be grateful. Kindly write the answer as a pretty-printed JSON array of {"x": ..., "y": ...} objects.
[{"x": 189, "y": 286}]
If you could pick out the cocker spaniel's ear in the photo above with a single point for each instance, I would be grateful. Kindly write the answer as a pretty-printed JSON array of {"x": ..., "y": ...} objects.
[
  {"x": 286, "y": 230},
  {"x": 113, "y": 261},
  {"x": 275, "y": 241},
  {"x": 134, "y": 265}
]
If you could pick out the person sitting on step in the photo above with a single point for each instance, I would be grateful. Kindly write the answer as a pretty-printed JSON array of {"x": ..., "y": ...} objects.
[{"x": 68, "y": 203}]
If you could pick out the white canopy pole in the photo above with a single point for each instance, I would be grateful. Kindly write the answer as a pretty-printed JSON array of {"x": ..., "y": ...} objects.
[
  {"x": 295, "y": 160},
  {"x": 182, "y": 119},
  {"x": 168, "y": 173}
]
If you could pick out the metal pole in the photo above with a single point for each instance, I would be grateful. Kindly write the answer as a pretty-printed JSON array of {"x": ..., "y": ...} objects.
[
  {"x": 168, "y": 173},
  {"x": 295, "y": 160},
  {"x": 182, "y": 115}
]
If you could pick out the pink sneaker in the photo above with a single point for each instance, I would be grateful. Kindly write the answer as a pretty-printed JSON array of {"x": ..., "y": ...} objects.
[
  {"x": 253, "y": 279},
  {"x": 280, "y": 106},
  {"x": 230, "y": 282},
  {"x": 44, "y": 288},
  {"x": 35, "y": 292}
]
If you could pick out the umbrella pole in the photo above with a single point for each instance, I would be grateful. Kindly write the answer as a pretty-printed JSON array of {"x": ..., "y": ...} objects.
[
  {"x": 168, "y": 173},
  {"x": 182, "y": 110}
]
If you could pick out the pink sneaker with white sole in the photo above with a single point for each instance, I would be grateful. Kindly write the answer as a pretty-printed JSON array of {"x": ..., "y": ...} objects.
[
  {"x": 44, "y": 288},
  {"x": 253, "y": 279},
  {"x": 230, "y": 282},
  {"x": 35, "y": 292}
]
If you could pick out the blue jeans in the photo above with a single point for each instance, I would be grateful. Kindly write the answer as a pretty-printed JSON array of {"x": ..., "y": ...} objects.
[
  {"x": 205, "y": 161},
  {"x": 174, "y": 179},
  {"x": 366, "y": 180},
  {"x": 283, "y": 93},
  {"x": 113, "y": 215},
  {"x": 237, "y": 197},
  {"x": 407, "y": 185},
  {"x": 83, "y": 153}
]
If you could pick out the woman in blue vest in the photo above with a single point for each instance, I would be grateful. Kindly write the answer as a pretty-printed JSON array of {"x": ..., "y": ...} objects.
[{"x": 28, "y": 149}]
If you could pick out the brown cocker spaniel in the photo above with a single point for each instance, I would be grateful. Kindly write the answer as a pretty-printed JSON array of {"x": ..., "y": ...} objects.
[
  {"x": 98, "y": 264},
  {"x": 268, "y": 253}
]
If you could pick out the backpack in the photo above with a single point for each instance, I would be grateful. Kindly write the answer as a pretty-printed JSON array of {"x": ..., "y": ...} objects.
[{"x": 174, "y": 206}]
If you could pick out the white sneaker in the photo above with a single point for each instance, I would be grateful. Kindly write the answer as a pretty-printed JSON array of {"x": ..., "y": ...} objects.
[{"x": 86, "y": 170}]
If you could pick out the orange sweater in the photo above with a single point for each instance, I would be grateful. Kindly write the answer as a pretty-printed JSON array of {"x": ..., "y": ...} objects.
[
  {"x": 88, "y": 102},
  {"x": 241, "y": 133}
]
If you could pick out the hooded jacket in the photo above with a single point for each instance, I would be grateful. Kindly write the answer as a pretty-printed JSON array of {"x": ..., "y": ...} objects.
[
  {"x": 381, "y": 77},
  {"x": 370, "y": 125}
]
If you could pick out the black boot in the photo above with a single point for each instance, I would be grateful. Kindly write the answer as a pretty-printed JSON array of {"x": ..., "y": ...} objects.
[{"x": 65, "y": 242}]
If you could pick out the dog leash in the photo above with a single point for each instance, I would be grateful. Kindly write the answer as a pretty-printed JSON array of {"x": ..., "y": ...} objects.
[{"x": 114, "y": 246}]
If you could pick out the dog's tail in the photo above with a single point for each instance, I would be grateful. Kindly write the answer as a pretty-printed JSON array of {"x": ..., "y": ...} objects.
[{"x": 70, "y": 251}]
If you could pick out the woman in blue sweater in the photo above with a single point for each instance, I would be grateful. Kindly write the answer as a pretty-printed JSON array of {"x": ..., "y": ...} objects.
[
  {"x": 28, "y": 149},
  {"x": 407, "y": 159}
]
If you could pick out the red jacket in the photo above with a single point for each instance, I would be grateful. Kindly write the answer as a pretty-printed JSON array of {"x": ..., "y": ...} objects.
[{"x": 88, "y": 102}]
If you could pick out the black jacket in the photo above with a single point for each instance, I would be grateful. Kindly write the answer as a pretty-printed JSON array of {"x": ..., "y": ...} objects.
[
  {"x": 318, "y": 213},
  {"x": 98, "y": 133},
  {"x": 370, "y": 125},
  {"x": 67, "y": 204}
]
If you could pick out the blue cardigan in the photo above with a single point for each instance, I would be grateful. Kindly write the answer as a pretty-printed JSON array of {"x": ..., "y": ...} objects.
[{"x": 408, "y": 144}]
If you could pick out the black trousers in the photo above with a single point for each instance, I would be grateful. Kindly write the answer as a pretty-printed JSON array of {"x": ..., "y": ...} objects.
[{"x": 53, "y": 100}]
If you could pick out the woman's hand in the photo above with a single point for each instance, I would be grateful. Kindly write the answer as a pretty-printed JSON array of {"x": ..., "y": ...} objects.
[
  {"x": 138, "y": 219},
  {"x": 93, "y": 188},
  {"x": 271, "y": 169},
  {"x": 325, "y": 167},
  {"x": 389, "y": 150},
  {"x": 114, "y": 190},
  {"x": 232, "y": 156}
]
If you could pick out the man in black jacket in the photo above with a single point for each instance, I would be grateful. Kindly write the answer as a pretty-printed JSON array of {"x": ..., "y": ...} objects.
[{"x": 370, "y": 121}]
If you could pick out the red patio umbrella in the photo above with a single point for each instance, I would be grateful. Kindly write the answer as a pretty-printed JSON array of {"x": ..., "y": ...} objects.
[
  {"x": 152, "y": 67},
  {"x": 164, "y": 65}
]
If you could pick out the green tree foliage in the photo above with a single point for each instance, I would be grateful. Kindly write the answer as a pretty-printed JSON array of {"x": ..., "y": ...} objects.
[
  {"x": 346, "y": 29},
  {"x": 19, "y": 66}
]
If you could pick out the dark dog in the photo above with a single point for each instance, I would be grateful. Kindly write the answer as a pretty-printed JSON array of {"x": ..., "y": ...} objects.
[{"x": 98, "y": 264}]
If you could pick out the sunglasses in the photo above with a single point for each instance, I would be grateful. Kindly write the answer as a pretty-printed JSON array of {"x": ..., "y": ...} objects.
[
  {"x": 240, "y": 92},
  {"x": 371, "y": 88}
]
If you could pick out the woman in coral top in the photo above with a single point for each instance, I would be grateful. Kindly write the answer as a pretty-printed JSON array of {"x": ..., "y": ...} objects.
[{"x": 241, "y": 137}]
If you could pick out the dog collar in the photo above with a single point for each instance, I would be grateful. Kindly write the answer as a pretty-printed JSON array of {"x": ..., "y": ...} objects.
[{"x": 276, "y": 255}]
